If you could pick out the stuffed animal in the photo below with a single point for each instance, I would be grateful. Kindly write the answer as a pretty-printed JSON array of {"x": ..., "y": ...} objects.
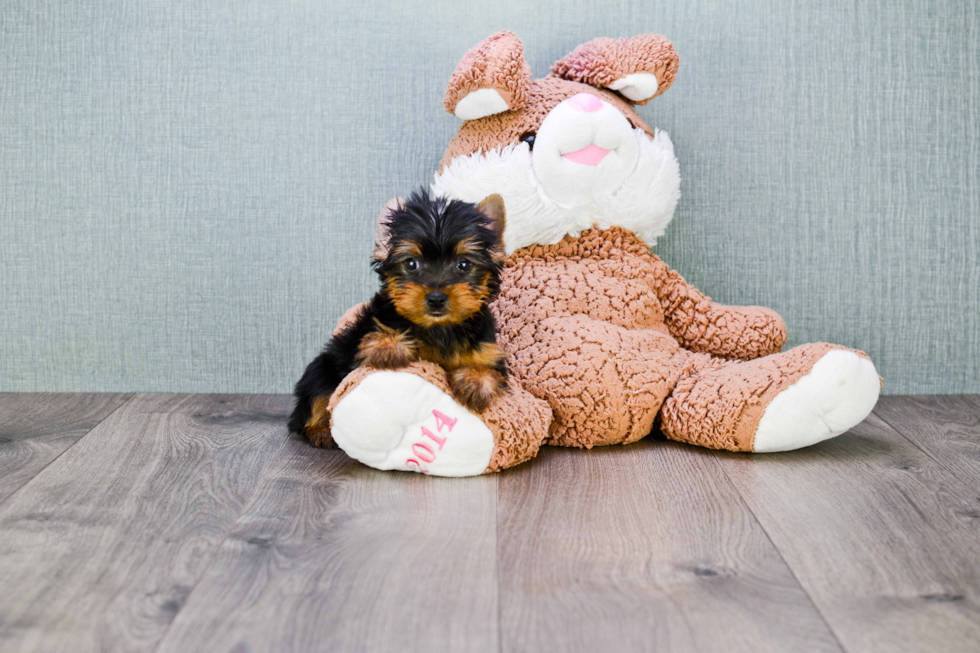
[{"x": 604, "y": 341}]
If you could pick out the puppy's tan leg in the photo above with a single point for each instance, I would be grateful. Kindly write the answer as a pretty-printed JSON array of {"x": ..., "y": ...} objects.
[
  {"x": 476, "y": 386},
  {"x": 317, "y": 429}
]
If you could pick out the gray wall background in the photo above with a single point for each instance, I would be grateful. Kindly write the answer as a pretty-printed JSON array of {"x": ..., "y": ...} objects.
[{"x": 188, "y": 190}]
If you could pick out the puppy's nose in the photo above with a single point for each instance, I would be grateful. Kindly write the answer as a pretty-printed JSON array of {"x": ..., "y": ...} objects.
[
  {"x": 586, "y": 102},
  {"x": 436, "y": 299}
]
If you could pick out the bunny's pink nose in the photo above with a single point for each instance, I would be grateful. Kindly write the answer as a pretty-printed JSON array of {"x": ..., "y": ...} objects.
[{"x": 586, "y": 102}]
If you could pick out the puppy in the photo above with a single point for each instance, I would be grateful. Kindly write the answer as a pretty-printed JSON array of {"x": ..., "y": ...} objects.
[{"x": 439, "y": 262}]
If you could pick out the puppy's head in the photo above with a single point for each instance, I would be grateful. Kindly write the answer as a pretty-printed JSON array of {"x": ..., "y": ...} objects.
[{"x": 440, "y": 260}]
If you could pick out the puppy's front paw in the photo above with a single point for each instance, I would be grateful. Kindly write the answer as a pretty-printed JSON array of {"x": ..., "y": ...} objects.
[
  {"x": 398, "y": 420},
  {"x": 317, "y": 428},
  {"x": 320, "y": 438},
  {"x": 387, "y": 349},
  {"x": 476, "y": 387}
]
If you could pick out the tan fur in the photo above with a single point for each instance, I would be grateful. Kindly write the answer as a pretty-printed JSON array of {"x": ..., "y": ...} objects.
[
  {"x": 474, "y": 381},
  {"x": 492, "y": 206},
  {"x": 487, "y": 354},
  {"x": 409, "y": 301},
  {"x": 387, "y": 348},
  {"x": 407, "y": 249},
  {"x": 476, "y": 386},
  {"x": 317, "y": 429},
  {"x": 466, "y": 247}
]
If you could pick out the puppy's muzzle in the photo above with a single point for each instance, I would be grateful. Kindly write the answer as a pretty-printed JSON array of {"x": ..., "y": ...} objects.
[{"x": 436, "y": 300}]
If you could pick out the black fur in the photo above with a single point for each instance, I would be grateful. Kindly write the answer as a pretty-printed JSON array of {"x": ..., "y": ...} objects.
[{"x": 436, "y": 226}]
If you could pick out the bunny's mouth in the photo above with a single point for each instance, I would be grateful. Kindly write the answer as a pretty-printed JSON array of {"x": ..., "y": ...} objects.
[
  {"x": 584, "y": 149},
  {"x": 590, "y": 155}
]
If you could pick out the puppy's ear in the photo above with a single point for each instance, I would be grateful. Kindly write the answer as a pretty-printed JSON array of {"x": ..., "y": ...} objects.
[
  {"x": 492, "y": 77},
  {"x": 381, "y": 235},
  {"x": 640, "y": 68},
  {"x": 492, "y": 206}
]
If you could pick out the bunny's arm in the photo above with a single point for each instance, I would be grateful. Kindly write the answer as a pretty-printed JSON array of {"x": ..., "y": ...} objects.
[{"x": 701, "y": 325}]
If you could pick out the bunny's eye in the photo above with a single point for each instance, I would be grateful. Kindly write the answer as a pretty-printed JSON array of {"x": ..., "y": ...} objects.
[{"x": 529, "y": 139}]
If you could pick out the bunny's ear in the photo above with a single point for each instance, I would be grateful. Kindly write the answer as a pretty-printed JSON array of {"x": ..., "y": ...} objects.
[
  {"x": 639, "y": 68},
  {"x": 381, "y": 235},
  {"x": 492, "y": 77}
]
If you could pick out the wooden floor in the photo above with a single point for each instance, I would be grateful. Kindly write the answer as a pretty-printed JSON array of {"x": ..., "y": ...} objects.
[{"x": 182, "y": 523}]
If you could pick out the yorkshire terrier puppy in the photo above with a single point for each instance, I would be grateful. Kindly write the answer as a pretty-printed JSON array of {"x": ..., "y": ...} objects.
[{"x": 439, "y": 262}]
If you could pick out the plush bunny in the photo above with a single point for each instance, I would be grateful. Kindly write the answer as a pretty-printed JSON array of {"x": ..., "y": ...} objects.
[{"x": 604, "y": 341}]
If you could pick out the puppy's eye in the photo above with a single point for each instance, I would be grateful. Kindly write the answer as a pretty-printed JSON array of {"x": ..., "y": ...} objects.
[
  {"x": 411, "y": 264},
  {"x": 529, "y": 139},
  {"x": 463, "y": 265}
]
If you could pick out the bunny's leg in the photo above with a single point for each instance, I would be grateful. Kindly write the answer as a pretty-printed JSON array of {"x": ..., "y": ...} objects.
[
  {"x": 605, "y": 383},
  {"x": 778, "y": 402}
]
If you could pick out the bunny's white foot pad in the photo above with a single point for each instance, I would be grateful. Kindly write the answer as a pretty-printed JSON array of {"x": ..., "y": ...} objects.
[
  {"x": 837, "y": 394},
  {"x": 397, "y": 420}
]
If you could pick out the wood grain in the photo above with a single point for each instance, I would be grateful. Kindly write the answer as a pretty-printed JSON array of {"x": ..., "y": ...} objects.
[
  {"x": 35, "y": 428},
  {"x": 199, "y": 515},
  {"x": 100, "y": 550},
  {"x": 642, "y": 548},
  {"x": 945, "y": 427},
  {"x": 333, "y": 556},
  {"x": 884, "y": 540}
]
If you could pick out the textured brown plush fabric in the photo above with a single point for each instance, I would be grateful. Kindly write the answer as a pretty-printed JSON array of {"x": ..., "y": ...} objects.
[
  {"x": 506, "y": 128},
  {"x": 349, "y": 316},
  {"x": 519, "y": 424},
  {"x": 497, "y": 63},
  {"x": 603, "y": 339},
  {"x": 702, "y": 326},
  {"x": 602, "y": 61},
  {"x": 602, "y": 329},
  {"x": 584, "y": 331},
  {"x": 718, "y": 403}
]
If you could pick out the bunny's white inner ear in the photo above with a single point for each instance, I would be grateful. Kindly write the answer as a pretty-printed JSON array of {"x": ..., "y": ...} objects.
[
  {"x": 637, "y": 86},
  {"x": 480, "y": 104}
]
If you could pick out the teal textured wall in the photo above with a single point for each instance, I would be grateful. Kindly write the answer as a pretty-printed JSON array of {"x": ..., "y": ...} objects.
[{"x": 188, "y": 190}]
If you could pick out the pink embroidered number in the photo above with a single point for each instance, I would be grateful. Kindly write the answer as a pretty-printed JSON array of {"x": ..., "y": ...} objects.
[
  {"x": 422, "y": 450},
  {"x": 419, "y": 447},
  {"x": 443, "y": 420},
  {"x": 435, "y": 438}
]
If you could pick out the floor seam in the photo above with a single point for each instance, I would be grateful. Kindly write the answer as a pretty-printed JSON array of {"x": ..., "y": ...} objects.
[
  {"x": 224, "y": 538},
  {"x": 72, "y": 445},
  {"x": 775, "y": 548},
  {"x": 940, "y": 464},
  {"x": 496, "y": 560}
]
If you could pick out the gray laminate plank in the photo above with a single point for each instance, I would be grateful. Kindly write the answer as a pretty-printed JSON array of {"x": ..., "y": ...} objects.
[
  {"x": 331, "y": 555},
  {"x": 945, "y": 427},
  {"x": 101, "y": 548},
  {"x": 36, "y": 428},
  {"x": 884, "y": 540},
  {"x": 642, "y": 548}
]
